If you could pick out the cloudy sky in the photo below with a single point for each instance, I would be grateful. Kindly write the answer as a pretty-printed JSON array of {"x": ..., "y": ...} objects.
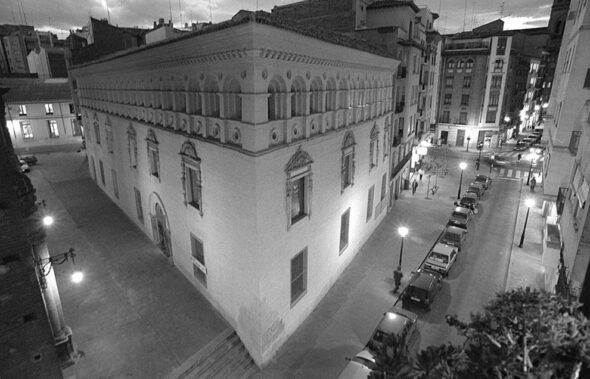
[{"x": 63, "y": 15}]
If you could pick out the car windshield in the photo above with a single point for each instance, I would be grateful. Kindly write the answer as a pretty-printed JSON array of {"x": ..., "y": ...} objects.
[
  {"x": 439, "y": 257},
  {"x": 420, "y": 293},
  {"x": 451, "y": 237},
  {"x": 460, "y": 215},
  {"x": 365, "y": 362},
  {"x": 467, "y": 200}
]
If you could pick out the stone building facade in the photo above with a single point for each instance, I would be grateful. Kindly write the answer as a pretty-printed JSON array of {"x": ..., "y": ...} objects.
[{"x": 253, "y": 153}]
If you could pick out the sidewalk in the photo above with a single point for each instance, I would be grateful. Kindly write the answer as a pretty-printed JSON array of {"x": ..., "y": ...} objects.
[{"x": 344, "y": 319}]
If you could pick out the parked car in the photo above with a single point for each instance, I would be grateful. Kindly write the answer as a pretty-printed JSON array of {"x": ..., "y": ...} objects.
[
  {"x": 454, "y": 236},
  {"x": 396, "y": 322},
  {"x": 441, "y": 258},
  {"x": 461, "y": 217},
  {"x": 521, "y": 145},
  {"x": 476, "y": 188},
  {"x": 31, "y": 160},
  {"x": 483, "y": 179},
  {"x": 422, "y": 289},
  {"x": 360, "y": 366},
  {"x": 497, "y": 160},
  {"x": 24, "y": 167},
  {"x": 538, "y": 148},
  {"x": 468, "y": 200}
]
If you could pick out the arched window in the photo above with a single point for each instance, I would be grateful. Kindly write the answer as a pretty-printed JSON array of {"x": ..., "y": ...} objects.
[
  {"x": 97, "y": 132},
  {"x": 330, "y": 95},
  {"x": 316, "y": 88},
  {"x": 460, "y": 64},
  {"x": 277, "y": 107},
  {"x": 191, "y": 176},
  {"x": 299, "y": 186},
  {"x": 374, "y": 147},
  {"x": 451, "y": 65},
  {"x": 344, "y": 94},
  {"x": 469, "y": 65},
  {"x": 298, "y": 95},
  {"x": 153, "y": 153},
  {"x": 211, "y": 103},
  {"x": 348, "y": 163},
  {"x": 233, "y": 102},
  {"x": 132, "y": 146}
]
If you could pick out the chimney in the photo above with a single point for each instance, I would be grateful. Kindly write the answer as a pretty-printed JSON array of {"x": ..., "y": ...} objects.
[
  {"x": 160, "y": 21},
  {"x": 155, "y": 25}
]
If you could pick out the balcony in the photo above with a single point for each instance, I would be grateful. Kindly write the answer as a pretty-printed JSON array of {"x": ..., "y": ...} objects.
[
  {"x": 397, "y": 140},
  {"x": 401, "y": 164}
]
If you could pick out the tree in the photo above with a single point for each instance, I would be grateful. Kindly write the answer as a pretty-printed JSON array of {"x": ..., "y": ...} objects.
[{"x": 521, "y": 334}]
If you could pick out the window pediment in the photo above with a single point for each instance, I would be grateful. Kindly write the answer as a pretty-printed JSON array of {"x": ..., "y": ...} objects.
[{"x": 300, "y": 160}]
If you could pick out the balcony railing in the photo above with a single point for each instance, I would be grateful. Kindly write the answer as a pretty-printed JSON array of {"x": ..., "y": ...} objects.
[
  {"x": 399, "y": 107},
  {"x": 401, "y": 164}
]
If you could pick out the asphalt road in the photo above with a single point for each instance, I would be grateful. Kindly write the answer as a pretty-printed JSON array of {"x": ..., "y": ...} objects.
[{"x": 481, "y": 268}]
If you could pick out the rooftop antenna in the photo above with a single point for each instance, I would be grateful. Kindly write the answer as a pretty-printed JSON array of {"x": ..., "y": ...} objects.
[
  {"x": 22, "y": 9},
  {"x": 210, "y": 13},
  {"x": 170, "y": 6},
  {"x": 501, "y": 9},
  {"x": 180, "y": 12},
  {"x": 464, "y": 15},
  {"x": 108, "y": 12}
]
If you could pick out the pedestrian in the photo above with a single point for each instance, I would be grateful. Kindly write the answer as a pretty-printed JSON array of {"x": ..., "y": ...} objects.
[
  {"x": 533, "y": 184},
  {"x": 519, "y": 156},
  {"x": 420, "y": 172},
  {"x": 477, "y": 165},
  {"x": 414, "y": 186},
  {"x": 491, "y": 167},
  {"x": 397, "y": 278}
]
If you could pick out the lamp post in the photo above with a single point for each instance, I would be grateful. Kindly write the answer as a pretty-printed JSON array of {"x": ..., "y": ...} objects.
[
  {"x": 529, "y": 203},
  {"x": 462, "y": 166},
  {"x": 403, "y": 232},
  {"x": 468, "y": 139}
]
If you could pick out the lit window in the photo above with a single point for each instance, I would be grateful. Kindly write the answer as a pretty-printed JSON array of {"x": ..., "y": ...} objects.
[
  {"x": 467, "y": 82},
  {"x": 344, "y": 227},
  {"x": 53, "y": 130},
  {"x": 26, "y": 130},
  {"x": 198, "y": 258},
  {"x": 22, "y": 110},
  {"x": 76, "y": 129},
  {"x": 48, "y": 108},
  {"x": 191, "y": 176},
  {"x": 348, "y": 164},
  {"x": 299, "y": 186},
  {"x": 153, "y": 154},
  {"x": 298, "y": 276}
]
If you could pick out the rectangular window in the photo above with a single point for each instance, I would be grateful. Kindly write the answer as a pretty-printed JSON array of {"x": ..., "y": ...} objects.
[
  {"x": 574, "y": 142},
  {"x": 347, "y": 170},
  {"x": 497, "y": 81},
  {"x": 198, "y": 258},
  {"x": 448, "y": 98},
  {"x": 467, "y": 82},
  {"x": 154, "y": 162},
  {"x": 115, "y": 184},
  {"x": 298, "y": 200},
  {"x": 370, "y": 202},
  {"x": 71, "y": 106},
  {"x": 463, "y": 118},
  {"x": 446, "y": 116},
  {"x": 48, "y": 108},
  {"x": 53, "y": 131},
  {"x": 109, "y": 139},
  {"x": 449, "y": 81},
  {"x": 491, "y": 116},
  {"x": 138, "y": 206},
  {"x": 344, "y": 226},
  {"x": 101, "y": 172},
  {"x": 383, "y": 186},
  {"x": 494, "y": 97},
  {"x": 22, "y": 110},
  {"x": 298, "y": 276},
  {"x": 97, "y": 133},
  {"x": 464, "y": 99},
  {"x": 76, "y": 129},
  {"x": 501, "y": 47},
  {"x": 26, "y": 130},
  {"x": 193, "y": 190},
  {"x": 587, "y": 80}
]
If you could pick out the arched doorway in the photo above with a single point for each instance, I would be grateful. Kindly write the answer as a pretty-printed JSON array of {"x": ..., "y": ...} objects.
[{"x": 160, "y": 226}]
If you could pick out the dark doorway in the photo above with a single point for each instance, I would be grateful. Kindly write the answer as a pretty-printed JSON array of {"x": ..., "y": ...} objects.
[{"x": 460, "y": 137}]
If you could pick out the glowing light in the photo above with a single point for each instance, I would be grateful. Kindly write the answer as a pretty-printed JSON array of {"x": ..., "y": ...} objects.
[
  {"x": 529, "y": 202},
  {"x": 403, "y": 231},
  {"x": 47, "y": 220},
  {"x": 77, "y": 276},
  {"x": 462, "y": 165},
  {"x": 391, "y": 316}
]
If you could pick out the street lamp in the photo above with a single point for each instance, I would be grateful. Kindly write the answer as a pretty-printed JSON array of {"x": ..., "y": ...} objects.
[
  {"x": 403, "y": 232},
  {"x": 529, "y": 203},
  {"x": 532, "y": 158},
  {"x": 44, "y": 266},
  {"x": 468, "y": 139},
  {"x": 462, "y": 166},
  {"x": 47, "y": 220}
]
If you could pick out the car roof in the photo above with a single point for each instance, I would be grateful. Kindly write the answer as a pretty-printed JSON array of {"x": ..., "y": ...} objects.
[
  {"x": 443, "y": 248},
  {"x": 454, "y": 229},
  {"x": 423, "y": 279},
  {"x": 394, "y": 321}
]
